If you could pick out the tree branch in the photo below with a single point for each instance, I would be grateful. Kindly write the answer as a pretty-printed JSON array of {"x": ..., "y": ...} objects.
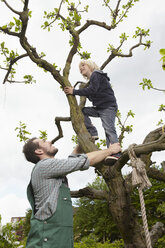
[
  {"x": 40, "y": 62},
  {"x": 93, "y": 22},
  {"x": 112, "y": 56},
  {"x": 122, "y": 16},
  {"x": 3, "y": 68},
  {"x": 156, "y": 174},
  {"x": 13, "y": 61},
  {"x": 57, "y": 15},
  {"x": 135, "y": 46},
  {"x": 91, "y": 193},
  {"x": 114, "y": 22},
  {"x": 163, "y": 165},
  {"x": 82, "y": 98},
  {"x": 158, "y": 89},
  {"x": 15, "y": 82},
  {"x": 26, "y": 5},
  {"x": 57, "y": 122},
  {"x": 72, "y": 51},
  {"x": 110, "y": 7},
  {"x": 29, "y": 49},
  {"x": 147, "y": 148},
  {"x": 13, "y": 10},
  {"x": 7, "y": 31},
  {"x": 114, "y": 52}
]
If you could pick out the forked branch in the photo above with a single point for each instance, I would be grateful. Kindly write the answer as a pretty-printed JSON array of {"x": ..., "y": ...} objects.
[
  {"x": 12, "y": 62},
  {"x": 115, "y": 52},
  {"x": 58, "y": 124}
]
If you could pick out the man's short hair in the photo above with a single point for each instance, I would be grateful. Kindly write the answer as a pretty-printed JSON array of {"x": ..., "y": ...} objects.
[{"x": 29, "y": 150}]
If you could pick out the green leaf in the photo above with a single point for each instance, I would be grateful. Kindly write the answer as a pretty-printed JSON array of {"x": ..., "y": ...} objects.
[
  {"x": 162, "y": 107},
  {"x": 146, "y": 83},
  {"x": 162, "y": 51},
  {"x": 75, "y": 139},
  {"x": 30, "y": 13},
  {"x": 29, "y": 79},
  {"x": 160, "y": 123},
  {"x": 2, "y": 45},
  {"x": 22, "y": 132},
  {"x": 130, "y": 113},
  {"x": 43, "y": 135}
]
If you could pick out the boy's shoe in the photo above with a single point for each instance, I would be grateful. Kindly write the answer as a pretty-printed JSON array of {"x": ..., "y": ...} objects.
[
  {"x": 111, "y": 160},
  {"x": 95, "y": 137}
]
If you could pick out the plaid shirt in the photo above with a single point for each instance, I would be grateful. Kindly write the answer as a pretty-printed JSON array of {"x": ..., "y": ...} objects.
[{"x": 47, "y": 177}]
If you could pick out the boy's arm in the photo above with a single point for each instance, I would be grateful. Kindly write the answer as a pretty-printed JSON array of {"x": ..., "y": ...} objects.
[{"x": 91, "y": 89}]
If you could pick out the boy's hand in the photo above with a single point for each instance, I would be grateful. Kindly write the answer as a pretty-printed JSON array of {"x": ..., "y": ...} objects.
[
  {"x": 68, "y": 90},
  {"x": 114, "y": 148}
]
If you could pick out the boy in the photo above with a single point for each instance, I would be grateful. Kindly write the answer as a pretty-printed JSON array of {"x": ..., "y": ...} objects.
[{"x": 101, "y": 94}]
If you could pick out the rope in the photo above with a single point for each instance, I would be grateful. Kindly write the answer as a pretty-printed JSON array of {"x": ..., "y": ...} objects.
[{"x": 140, "y": 179}]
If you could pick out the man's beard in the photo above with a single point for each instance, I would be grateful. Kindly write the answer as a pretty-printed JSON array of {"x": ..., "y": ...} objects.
[{"x": 52, "y": 153}]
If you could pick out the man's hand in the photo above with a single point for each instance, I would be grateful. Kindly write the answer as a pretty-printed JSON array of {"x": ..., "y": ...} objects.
[
  {"x": 114, "y": 148},
  {"x": 98, "y": 156},
  {"x": 68, "y": 90}
]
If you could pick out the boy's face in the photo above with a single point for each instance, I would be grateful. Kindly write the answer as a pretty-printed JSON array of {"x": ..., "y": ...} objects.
[{"x": 85, "y": 70}]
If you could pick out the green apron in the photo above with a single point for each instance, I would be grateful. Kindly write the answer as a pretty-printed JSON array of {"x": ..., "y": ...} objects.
[{"x": 57, "y": 230}]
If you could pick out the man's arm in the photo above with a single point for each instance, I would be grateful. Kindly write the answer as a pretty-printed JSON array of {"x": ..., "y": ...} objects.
[
  {"x": 98, "y": 156},
  {"x": 62, "y": 167}
]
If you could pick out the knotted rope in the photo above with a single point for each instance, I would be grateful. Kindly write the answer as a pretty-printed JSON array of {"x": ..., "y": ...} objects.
[{"x": 140, "y": 179}]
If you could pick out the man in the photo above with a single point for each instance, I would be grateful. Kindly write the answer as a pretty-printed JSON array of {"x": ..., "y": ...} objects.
[{"x": 48, "y": 192}]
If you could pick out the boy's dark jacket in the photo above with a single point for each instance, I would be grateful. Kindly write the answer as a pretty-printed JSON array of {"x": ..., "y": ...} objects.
[{"x": 99, "y": 91}]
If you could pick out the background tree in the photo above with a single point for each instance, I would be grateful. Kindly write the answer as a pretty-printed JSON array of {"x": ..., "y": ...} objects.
[
  {"x": 26, "y": 223},
  {"x": 8, "y": 237},
  {"x": 91, "y": 216},
  {"x": 69, "y": 17}
]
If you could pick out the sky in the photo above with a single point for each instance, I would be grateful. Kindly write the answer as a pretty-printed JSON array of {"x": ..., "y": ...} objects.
[{"x": 37, "y": 105}]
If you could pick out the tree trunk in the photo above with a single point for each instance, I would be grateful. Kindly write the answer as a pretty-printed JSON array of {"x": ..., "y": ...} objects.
[
  {"x": 123, "y": 212},
  {"x": 120, "y": 207},
  {"x": 77, "y": 119}
]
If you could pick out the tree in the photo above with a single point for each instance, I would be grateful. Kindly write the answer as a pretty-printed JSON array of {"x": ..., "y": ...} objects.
[
  {"x": 26, "y": 223},
  {"x": 69, "y": 16},
  {"x": 154, "y": 201},
  {"x": 8, "y": 237},
  {"x": 91, "y": 216}
]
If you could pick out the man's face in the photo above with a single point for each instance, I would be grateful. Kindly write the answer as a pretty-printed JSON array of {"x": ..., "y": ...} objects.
[{"x": 47, "y": 147}]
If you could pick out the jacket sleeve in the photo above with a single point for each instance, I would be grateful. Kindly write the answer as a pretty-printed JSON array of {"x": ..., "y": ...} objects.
[
  {"x": 92, "y": 88},
  {"x": 52, "y": 167}
]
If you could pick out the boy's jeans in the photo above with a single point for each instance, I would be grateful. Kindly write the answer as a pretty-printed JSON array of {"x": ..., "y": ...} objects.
[{"x": 108, "y": 122}]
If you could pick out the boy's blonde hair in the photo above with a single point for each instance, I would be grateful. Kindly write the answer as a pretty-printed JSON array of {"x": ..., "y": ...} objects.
[{"x": 92, "y": 65}]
